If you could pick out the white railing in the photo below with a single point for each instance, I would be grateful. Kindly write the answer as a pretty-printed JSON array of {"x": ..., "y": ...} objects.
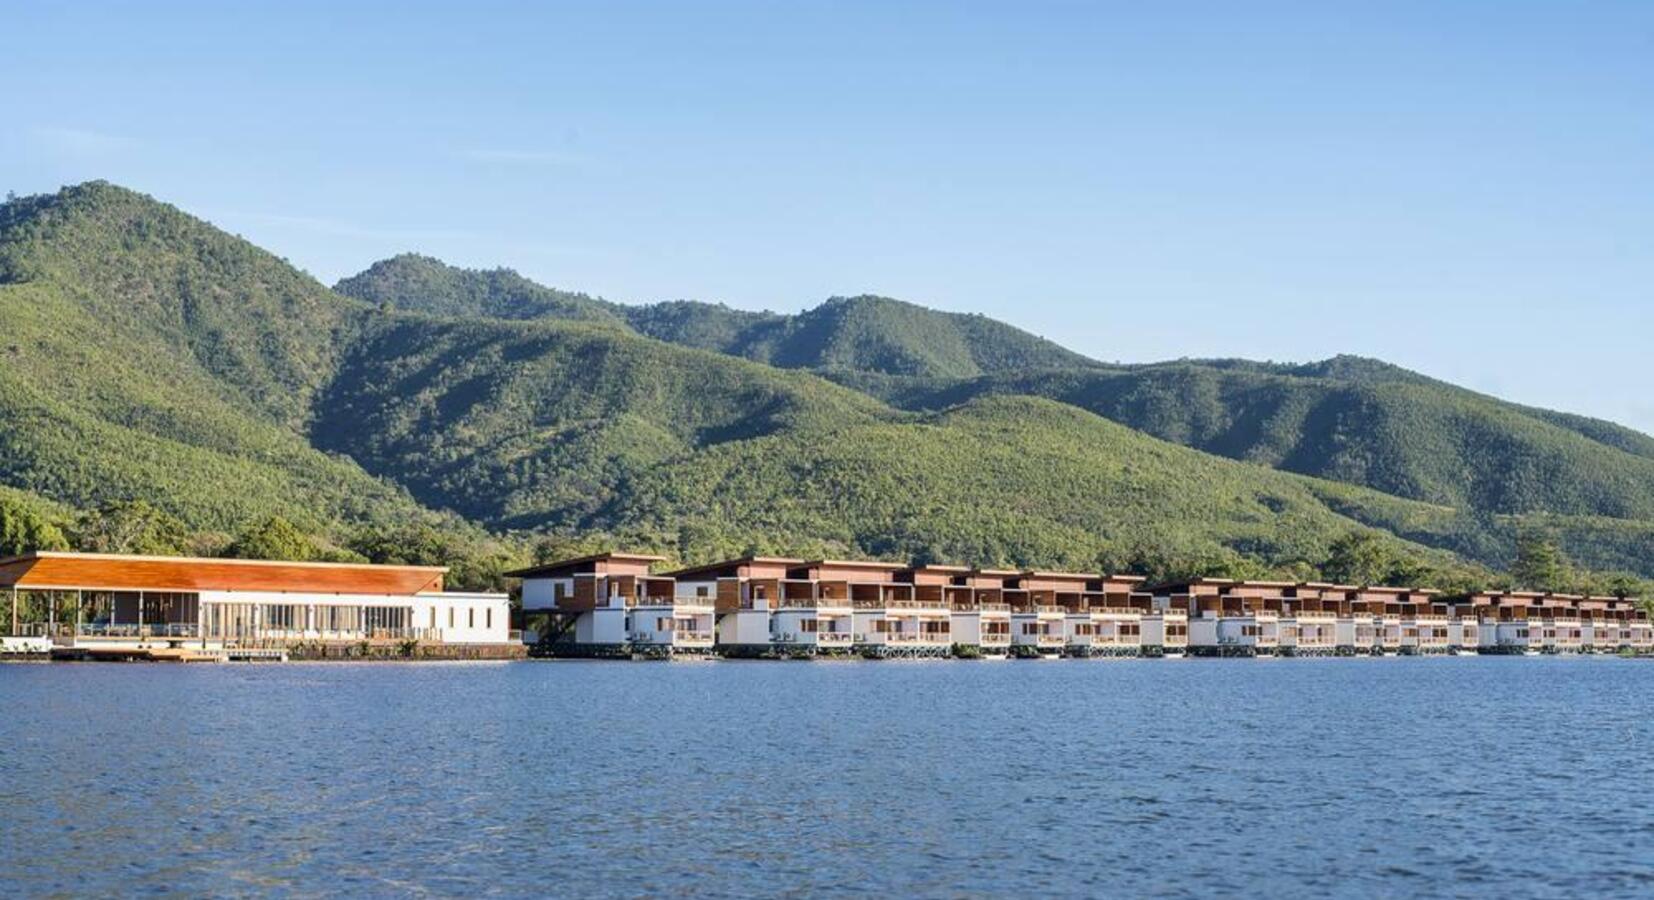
[
  {"x": 813, "y": 603},
  {"x": 912, "y": 637},
  {"x": 176, "y": 630}
]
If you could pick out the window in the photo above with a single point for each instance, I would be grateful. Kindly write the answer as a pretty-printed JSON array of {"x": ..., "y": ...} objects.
[
  {"x": 488, "y": 618},
  {"x": 700, "y": 591},
  {"x": 385, "y": 618},
  {"x": 809, "y": 626},
  {"x": 471, "y": 617},
  {"x": 280, "y": 617},
  {"x": 433, "y": 617}
]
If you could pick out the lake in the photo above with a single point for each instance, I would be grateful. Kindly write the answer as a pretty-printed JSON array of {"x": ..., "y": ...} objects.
[{"x": 1476, "y": 776}]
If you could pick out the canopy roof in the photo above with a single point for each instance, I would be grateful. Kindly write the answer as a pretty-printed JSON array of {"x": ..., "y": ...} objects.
[{"x": 103, "y": 571}]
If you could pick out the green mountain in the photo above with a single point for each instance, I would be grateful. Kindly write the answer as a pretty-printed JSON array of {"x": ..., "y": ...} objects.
[
  {"x": 149, "y": 356},
  {"x": 849, "y": 334},
  {"x": 530, "y": 424},
  {"x": 1410, "y": 437},
  {"x": 422, "y": 284}
]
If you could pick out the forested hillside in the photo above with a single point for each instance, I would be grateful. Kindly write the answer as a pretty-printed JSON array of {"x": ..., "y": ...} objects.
[
  {"x": 148, "y": 355},
  {"x": 864, "y": 334},
  {"x": 166, "y": 385}
]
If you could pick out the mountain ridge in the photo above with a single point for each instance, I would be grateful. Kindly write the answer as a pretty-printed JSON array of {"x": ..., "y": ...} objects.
[{"x": 155, "y": 357}]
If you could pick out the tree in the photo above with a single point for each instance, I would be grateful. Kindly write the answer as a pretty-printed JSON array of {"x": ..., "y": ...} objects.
[
  {"x": 1360, "y": 557},
  {"x": 23, "y": 530},
  {"x": 274, "y": 538},
  {"x": 1540, "y": 564},
  {"x": 132, "y": 526}
]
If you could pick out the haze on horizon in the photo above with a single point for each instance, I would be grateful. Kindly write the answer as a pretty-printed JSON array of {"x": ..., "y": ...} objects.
[{"x": 1460, "y": 189}]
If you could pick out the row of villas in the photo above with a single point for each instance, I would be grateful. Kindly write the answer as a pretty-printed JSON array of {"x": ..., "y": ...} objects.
[{"x": 615, "y": 603}]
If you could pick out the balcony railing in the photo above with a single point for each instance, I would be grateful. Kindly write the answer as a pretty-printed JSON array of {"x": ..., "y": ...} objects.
[
  {"x": 637, "y": 602},
  {"x": 911, "y": 637},
  {"x": 813, "y": 603},
  {"x": 105, "y": 630}
]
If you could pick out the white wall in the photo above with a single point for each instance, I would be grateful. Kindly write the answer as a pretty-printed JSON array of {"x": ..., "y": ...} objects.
[
  {"x": 601, "y": 626},
  {"x": 541, "y": 593},
  {"x": 748, "y": 626},
  {"x": 477, "y": 618}
]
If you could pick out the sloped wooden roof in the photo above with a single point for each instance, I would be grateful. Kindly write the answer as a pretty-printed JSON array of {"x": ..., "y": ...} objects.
[{"x": 100, "y": 571}]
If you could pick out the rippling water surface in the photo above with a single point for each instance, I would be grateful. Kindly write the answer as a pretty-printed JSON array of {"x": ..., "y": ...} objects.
[{"x": 1306, "y": 777}]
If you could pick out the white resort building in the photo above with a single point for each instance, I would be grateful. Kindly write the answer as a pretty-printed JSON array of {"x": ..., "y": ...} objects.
[
  {"x": 610, "y": 603},
  {"x": 979, "y": 618},
  {"x": 156, "y": 607}
]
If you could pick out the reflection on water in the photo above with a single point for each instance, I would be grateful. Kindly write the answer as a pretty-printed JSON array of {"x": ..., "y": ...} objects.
[{"x": 1483, "y": 776}]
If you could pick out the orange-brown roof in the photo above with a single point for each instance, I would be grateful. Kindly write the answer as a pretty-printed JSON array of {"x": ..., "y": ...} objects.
[
  {"x": 531, "y": 571},
  {"x": 853, "y": 564},
  {"x": 104, "y": 571},
  {"x": 734, "y": 563}
]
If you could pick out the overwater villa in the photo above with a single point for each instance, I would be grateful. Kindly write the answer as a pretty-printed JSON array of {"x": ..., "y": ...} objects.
[
  {"x": 88, "y": 605},
  {"x": 610, "y": 603},
  {"x": 1504, "y": 620},
  {"x": 814, "y": 617},
  {"x": 1426, "y": 630},
  {"x": 1038, "y": 620},
  {"x": 978, "y": 615},
  {"x": 1229, "y": 618},
  {"x": 1108, "y": 620},
  {"x": 776, "y": 606},
  {"x": 1165, "y": 626},
  {"x": 1309, "y": 620},
  {"x": 746, "y": 595}
]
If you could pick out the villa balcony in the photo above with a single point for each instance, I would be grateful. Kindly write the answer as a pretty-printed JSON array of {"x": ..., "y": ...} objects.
[
  {"x": 813, "y": 603},
  {"x": 910, "y": 637}
]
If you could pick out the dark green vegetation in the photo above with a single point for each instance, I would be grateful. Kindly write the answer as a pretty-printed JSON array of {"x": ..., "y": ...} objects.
[
  {"x": 166, "y": 387},
  {"x": 845, "y": 334}
]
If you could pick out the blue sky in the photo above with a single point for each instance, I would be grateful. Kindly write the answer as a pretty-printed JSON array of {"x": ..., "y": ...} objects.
[{"x": 1466, "y": 189}]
